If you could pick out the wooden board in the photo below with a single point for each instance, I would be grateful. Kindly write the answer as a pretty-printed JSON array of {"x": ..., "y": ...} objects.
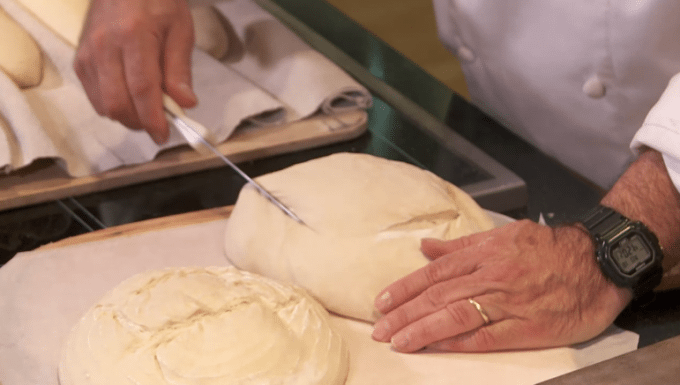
[
  {"x": 155, "y": 224},
  {"x": 652, "y": 365},
  {"x": 45, "y": 181}
]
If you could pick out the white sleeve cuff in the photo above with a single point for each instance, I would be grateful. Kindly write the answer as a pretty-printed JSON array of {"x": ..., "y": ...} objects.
[{"x": 661, "y": 130}]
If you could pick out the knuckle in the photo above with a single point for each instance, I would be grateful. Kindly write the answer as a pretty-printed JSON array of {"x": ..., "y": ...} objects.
[
  {"x": 484, "y": 339},
  {"x": 458, "y": 314},
  {"x": 141, "y": 86},
  {"x": 130, "y": 27},
  {"x": 435, "y": 295},
  {"x": 97, "y": 40},
  {"x": 112, "y": 107},
  {"x": 434, "y": 273}
]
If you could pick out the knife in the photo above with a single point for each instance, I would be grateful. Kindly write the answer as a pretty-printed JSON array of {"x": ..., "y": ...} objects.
[{"x": 201, "y": 140}]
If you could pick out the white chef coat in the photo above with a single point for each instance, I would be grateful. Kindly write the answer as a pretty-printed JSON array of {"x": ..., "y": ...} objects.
[
  {"x": 575, "y": 78},
  {"x": 661, "y": 130}
]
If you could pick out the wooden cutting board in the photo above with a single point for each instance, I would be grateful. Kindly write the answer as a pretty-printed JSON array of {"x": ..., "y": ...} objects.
[
  {"x": 155, "y": 224},
  {"x": 45, "y": 181}
]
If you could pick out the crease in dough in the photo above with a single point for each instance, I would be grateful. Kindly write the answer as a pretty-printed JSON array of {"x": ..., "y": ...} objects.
[
  {"x": 366, "y": 217},
  {"x": 204, "y": 326}
]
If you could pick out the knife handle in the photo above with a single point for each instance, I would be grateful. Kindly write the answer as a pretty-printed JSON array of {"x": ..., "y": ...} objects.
[{"x": 177, "y": 112}]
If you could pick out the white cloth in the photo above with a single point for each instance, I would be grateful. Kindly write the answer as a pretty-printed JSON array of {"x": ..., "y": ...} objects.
[
  {"x": 277, "y": 73},
  {"x": 56, "y": 120},
  {"x": 661, "y": 130},
  {"x": 576, "y": 79},
  {"x": 284, "y": 65}
]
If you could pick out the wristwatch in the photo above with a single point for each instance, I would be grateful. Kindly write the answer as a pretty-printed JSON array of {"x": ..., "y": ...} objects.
[{"x": 627, "y": 251}]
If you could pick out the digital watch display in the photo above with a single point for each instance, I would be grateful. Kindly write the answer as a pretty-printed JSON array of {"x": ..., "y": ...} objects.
[{"x": 626, "y": 251}]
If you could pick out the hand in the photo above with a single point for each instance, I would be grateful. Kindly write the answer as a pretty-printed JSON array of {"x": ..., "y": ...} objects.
[
  {"x": 540, "y": 287},
  {"x": 130, "y": 52}
]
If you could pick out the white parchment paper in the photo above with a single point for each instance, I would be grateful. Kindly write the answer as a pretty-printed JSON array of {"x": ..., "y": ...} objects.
[{"x": 45, "y": 292}]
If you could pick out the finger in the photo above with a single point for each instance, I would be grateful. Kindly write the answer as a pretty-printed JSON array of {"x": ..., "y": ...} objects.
[
  {"x": 177, "y": 61},
  {"x": 144, "y": 82},
  {"x": 504, "y": 335},
  {"x": 430, "y": 301},
  {"x": 88, "y": 78},
  {"x": 435, "y": 248},
  {"x": 455, "y": 319},
  {"x": 115, "y": 101},
  {"x": 404, "y": 289}
]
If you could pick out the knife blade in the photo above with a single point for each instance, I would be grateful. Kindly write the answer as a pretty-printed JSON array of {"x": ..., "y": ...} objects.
[{"x": 199, "y": 138}]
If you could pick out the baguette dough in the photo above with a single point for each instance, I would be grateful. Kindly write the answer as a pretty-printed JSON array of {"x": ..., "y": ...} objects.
[
  {"x": 210, "y": 34},
  {"x": 20, "y": 56},
  {"x": 204, "y": 326},
  {"x": 365, "y": 215},
  {"x": 65, "y": 17}
]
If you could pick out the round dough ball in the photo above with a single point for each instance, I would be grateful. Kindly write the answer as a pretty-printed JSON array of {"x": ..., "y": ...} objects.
[
  {"x": 365, "y": 217},
  {"x": 20, "y": 56},
  {"x": 204, "y": 326}
]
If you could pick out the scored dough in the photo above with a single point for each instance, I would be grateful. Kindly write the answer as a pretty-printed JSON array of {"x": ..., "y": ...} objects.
[
  {"x": 20, "y": 56},
  {"x": 365, "y": 215},
  {"x": 204, "y": 326}
]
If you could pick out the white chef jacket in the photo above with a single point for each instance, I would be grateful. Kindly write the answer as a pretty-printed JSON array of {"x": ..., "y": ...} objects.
[
  {"x": 574, "y": 78},
  {"x": 661, "y": 130}
]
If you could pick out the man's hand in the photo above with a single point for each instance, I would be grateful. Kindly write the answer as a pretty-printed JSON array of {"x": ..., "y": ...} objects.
[
  {"x": 540, "y": 287},
  {"x": 130, "y": 53}
]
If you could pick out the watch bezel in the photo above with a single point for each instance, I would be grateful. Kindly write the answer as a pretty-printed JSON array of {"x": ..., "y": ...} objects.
[
  {"x": 607, "y": 228},
  {"x": 611, "y": 266}
]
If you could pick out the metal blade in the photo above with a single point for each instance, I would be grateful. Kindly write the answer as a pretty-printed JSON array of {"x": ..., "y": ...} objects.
[{"x": 198, "y": 142}]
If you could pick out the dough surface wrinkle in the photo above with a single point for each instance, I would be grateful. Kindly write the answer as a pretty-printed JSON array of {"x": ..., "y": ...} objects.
[
  {"x": 204, "y": 326},
  {"x": 366, "y": 216}
]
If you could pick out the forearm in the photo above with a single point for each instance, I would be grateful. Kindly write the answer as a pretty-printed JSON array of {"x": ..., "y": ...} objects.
[{"x": 645, "y": 193}]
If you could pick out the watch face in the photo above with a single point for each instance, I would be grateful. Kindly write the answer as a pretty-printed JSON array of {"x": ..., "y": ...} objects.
[{"x": 630, "y": 253}]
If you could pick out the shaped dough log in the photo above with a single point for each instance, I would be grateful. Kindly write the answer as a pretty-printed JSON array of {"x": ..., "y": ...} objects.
[
  {"x": 20, "y": 56},
  {"x": 365, "y": 215},
  {"x": 65, "y": 17},
  {"x": 210, "y": 33}
]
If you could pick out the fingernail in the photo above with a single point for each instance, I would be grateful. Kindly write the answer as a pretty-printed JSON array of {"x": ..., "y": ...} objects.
[
  {"x": 400, "y": 341},
  {"x": 384, "y": 301},
  {"x": 380, "y": 330},
  {"x": 186, "y": 89},
  {"x": 158, "y": 137}
]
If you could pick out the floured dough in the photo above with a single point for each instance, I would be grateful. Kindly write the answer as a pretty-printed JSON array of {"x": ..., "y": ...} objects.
[
  {"x": 210, "y": 34},
  {"x": 204, "y": 326},
  {"x": 365, "y": 218},
  {"x": 65, "y": 17},
  {"x": 20, "y": 56}
]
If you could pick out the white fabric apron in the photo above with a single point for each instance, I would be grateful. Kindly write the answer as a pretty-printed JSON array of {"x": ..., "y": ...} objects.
[{"x": 575, "y": 78}]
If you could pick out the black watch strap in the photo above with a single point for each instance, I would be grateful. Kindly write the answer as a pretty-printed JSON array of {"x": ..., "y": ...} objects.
[{"x": 603, "y": 222}]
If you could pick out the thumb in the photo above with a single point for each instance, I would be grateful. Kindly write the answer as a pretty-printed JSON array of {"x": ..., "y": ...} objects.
[{"x": 177, "y": 63}]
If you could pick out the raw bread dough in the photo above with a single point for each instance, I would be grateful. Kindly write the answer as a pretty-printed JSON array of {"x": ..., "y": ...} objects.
[
  {"x": 204, "y": 326},
  {"x": 210, "y": 34},
  {"x": 20, "y": 56},
  {"x": 365, "y": 218},
  {"x": 65, "y": 17}
]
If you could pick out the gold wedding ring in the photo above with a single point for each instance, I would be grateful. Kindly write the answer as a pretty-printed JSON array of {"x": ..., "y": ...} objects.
[{"x": 481, "y": 311}]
